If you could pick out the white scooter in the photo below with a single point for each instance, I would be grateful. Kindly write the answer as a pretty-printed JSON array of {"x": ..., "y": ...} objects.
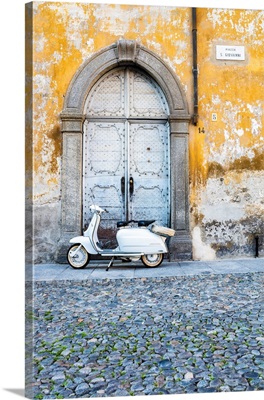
[{"x": 133, "y": 243}]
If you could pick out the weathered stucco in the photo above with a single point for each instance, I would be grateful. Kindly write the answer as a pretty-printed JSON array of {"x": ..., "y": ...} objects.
[
  {"x": 227, "y": 160},
  {"x": 226, "y": 156}
]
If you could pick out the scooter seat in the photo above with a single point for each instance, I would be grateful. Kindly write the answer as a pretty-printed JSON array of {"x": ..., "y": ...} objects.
[
  {"x": 120, "y": 224},
  {"x": 141, "y": 223},
  {"x": 145, "y": 222}
]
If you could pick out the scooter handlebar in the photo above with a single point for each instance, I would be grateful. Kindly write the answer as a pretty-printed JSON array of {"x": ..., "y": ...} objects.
[{"x": 95, "y": 208}]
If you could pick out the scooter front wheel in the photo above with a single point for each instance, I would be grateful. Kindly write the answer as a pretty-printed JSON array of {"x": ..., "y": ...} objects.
[
  {"x": 152, "y": 260},
  {"x": 78, "y": 257}
]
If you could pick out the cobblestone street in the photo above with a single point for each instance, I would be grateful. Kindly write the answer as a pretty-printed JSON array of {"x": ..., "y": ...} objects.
[{"x": 147, "y": 336}]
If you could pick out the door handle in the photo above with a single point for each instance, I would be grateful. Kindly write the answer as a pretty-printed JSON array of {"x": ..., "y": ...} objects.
[
  {"x": 123, "y": 185},
  {"x": 131, "y": 185}
]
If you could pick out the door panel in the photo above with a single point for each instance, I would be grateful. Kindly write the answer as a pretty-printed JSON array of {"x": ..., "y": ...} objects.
[
  {"x": 145, "y": 97},
  {"x": 149, "y": 169},
  {"x": 104, "y": 167},
  {"x": 107, "y": 99},
  {"x": 148, "y": 202}
]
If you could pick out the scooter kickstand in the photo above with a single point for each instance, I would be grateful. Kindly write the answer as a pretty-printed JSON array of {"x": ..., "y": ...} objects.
[{"x": 110, "y": 264}]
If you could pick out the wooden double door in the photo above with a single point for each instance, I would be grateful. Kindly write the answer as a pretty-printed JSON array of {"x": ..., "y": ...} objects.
[{"x": 126, "y": 150}]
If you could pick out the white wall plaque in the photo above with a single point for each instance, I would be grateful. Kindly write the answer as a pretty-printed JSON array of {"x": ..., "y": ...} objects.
[{"x": 230, "y": 53}]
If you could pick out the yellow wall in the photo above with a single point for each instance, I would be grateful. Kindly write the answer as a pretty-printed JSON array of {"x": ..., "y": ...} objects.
[
  {"x": 226, "y": 167},
  {"x": 233, "y": 90},
  {"x": 227, "y": 160}
]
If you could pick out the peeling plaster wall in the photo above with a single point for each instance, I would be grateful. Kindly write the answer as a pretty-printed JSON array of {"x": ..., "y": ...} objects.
[
  {"x": 227, "y": 162},
  {"x": 226, "y": 156}
]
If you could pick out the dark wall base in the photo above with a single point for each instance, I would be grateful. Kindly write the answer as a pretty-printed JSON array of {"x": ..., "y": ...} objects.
[{"x": 180, "y": 248}]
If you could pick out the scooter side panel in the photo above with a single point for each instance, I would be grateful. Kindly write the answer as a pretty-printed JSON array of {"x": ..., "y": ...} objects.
[
  {"x": 85, "y": 241},
  {"x": 140, "y": 240}
]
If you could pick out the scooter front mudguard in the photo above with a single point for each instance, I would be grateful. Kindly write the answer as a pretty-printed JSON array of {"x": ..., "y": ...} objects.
[{"x": 85, "y": 241}]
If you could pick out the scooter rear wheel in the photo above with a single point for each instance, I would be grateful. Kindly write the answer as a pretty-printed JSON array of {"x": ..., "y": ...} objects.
[
  {"x": 152, "y": 260},
  {"x": 80, "y": 259}
]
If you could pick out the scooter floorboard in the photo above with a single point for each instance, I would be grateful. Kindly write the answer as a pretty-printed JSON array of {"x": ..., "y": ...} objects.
[{"x": 108, "y": 253}]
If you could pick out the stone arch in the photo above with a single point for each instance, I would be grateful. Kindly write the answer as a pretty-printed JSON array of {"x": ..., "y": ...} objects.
[{"x": 125, "y": 52}]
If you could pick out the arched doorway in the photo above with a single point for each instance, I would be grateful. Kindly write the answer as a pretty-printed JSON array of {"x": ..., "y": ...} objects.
[
  {"x": 126, "y": 154},
  {"x": 90, "y": 112}
]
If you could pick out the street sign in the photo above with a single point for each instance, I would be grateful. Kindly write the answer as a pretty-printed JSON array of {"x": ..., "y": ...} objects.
[{"x": 230, "y": 53}]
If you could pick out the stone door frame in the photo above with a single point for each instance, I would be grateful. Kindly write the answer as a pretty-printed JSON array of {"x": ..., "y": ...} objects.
[{"x": 124, "y": 52}]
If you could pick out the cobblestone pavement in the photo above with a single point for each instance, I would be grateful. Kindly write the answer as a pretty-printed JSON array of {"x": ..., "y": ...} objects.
[{"x": 147, "y": 336}]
